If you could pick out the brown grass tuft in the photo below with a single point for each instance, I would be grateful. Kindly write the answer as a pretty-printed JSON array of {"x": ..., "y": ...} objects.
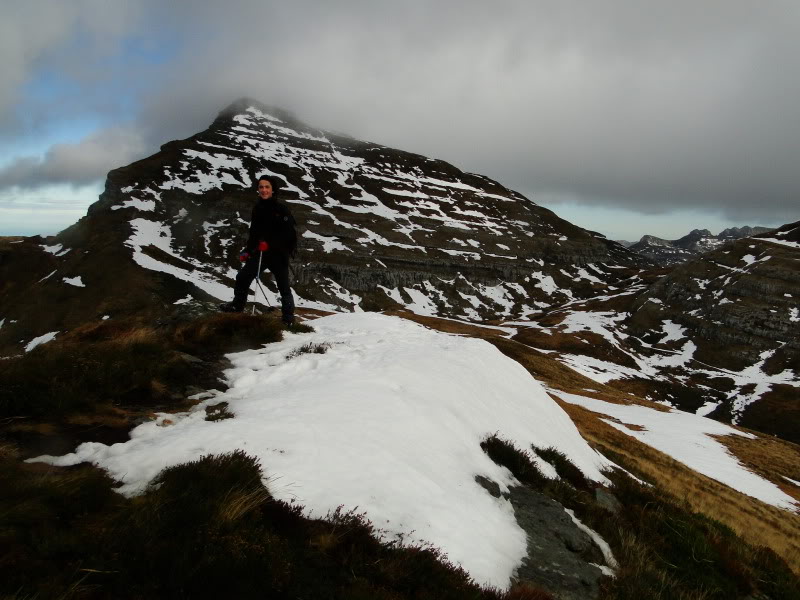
[
  {"x": 239, "y": 502},
  {"x": 136, "y": 336},
  {"x": 524, "y": 591}
]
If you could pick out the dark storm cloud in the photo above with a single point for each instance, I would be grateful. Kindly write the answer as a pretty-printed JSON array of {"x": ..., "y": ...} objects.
[{"x": 649, "y": 106}]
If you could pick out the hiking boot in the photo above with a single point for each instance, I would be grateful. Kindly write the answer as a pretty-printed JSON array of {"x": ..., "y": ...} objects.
[
  {"x": 231, "y": 307},
  {"x": 288, "y": 320}
]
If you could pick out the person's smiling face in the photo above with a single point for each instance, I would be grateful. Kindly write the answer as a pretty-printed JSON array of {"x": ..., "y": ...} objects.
[{"x": 264, "y": 189}]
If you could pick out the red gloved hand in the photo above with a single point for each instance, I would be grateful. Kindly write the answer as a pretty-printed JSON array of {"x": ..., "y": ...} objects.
[
  {"x": 263, "y": 246},
  {"x": 244, "y": 256}
]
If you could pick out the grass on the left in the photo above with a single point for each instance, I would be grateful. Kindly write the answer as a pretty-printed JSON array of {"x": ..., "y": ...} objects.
[
  {"x": 204, "y": 529},
  {"x": 124, "y": 362}
]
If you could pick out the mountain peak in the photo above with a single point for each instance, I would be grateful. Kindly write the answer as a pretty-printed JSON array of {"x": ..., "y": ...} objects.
[
  {"x": 243, "y": 104},
  {"x": 380, "y": 228}
]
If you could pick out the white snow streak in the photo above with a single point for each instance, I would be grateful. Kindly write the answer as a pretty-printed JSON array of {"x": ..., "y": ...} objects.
[{"x": 38, "y": 341}]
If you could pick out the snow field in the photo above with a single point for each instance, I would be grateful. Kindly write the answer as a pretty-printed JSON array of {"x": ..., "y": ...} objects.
[{"x": 388, "y": 421}]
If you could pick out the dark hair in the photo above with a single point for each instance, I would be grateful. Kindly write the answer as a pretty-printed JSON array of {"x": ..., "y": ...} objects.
[{"x": 277, "y": 183}]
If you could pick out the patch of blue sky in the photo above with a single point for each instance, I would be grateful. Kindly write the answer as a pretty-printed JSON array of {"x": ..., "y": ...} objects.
[{"x": 56, "y": 132}]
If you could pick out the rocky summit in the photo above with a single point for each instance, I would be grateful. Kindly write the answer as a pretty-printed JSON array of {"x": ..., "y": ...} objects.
[{"x": 380, "y": 228}]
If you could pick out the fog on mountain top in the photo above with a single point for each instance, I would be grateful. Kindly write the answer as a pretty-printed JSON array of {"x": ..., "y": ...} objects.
[{"x": 614, "y": 105}]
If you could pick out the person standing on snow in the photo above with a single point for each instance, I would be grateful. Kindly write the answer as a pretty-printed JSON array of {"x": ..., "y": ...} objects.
[{"x": 273, "y": 239}]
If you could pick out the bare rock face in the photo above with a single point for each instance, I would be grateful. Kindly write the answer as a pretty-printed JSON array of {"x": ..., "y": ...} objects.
[
  {"x": 561, "y": 557},
  {"x": 380, "y": 228}
]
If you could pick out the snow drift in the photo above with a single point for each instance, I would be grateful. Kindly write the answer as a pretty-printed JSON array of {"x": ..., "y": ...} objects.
[{"x": 388, "y": 420}]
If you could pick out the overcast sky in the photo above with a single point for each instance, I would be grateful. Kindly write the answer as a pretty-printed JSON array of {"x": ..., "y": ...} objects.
[{"x": 625, "y": 117}]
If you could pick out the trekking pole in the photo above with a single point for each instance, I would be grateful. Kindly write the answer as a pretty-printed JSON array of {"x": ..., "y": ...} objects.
[
  {"x": 258, "y": 276},
  {"x": 258, "y": 283}
]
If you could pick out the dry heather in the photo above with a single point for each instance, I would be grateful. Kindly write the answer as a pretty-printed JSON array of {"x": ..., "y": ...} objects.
[
  {"x": 772, "y": 458},
  {"x": 758, "y": 523}
]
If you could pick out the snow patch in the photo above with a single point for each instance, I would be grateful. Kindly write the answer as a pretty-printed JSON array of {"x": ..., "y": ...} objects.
[
  {"x": 76, "y": 281},
  {"x": 672, "y": 332},
  {"x": 329, "y": 244},
  {"x": 389, "y": 420},
  {"x": 420, "y": 303},
  {"x": 52, "y": 249},
  {"x": 782, "y": 242},
  {"x": 688, "y": 439},
  {"x": 42, "y": 339},
  {"x": 144, "y": 205}
]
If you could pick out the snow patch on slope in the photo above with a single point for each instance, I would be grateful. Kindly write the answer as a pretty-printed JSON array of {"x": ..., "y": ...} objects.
[
  {"x": 38, "y": 341},
  {"x": 389, "y": 420},
  {"x": 688, "y": 439}
]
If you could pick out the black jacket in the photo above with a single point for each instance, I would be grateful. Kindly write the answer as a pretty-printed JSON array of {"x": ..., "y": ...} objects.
[{"x": 272, "y": 222}]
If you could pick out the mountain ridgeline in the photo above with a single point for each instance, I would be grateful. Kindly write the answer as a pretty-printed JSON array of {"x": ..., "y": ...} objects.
[
  {"x": 379, "y": 229},
  {"x": 697, "y": 242},
  {"x": 113, "y": 324}
]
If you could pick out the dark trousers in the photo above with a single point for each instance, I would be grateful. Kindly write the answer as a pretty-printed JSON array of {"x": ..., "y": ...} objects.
[{"x": 278, "y": 264}]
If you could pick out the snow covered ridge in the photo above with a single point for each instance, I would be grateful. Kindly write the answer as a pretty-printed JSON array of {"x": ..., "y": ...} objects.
[
  {"x": 697, "y": 242},
  {"x": 389, "y": 420}
]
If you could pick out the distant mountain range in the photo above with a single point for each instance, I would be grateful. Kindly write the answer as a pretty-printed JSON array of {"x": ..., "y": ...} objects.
[{"x": 698, "y": 241}]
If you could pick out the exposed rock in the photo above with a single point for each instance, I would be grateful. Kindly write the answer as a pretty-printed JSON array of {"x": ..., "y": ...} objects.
[
  {"x": 607, "y": 500},
  {"x": 559, "y": 553}
]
